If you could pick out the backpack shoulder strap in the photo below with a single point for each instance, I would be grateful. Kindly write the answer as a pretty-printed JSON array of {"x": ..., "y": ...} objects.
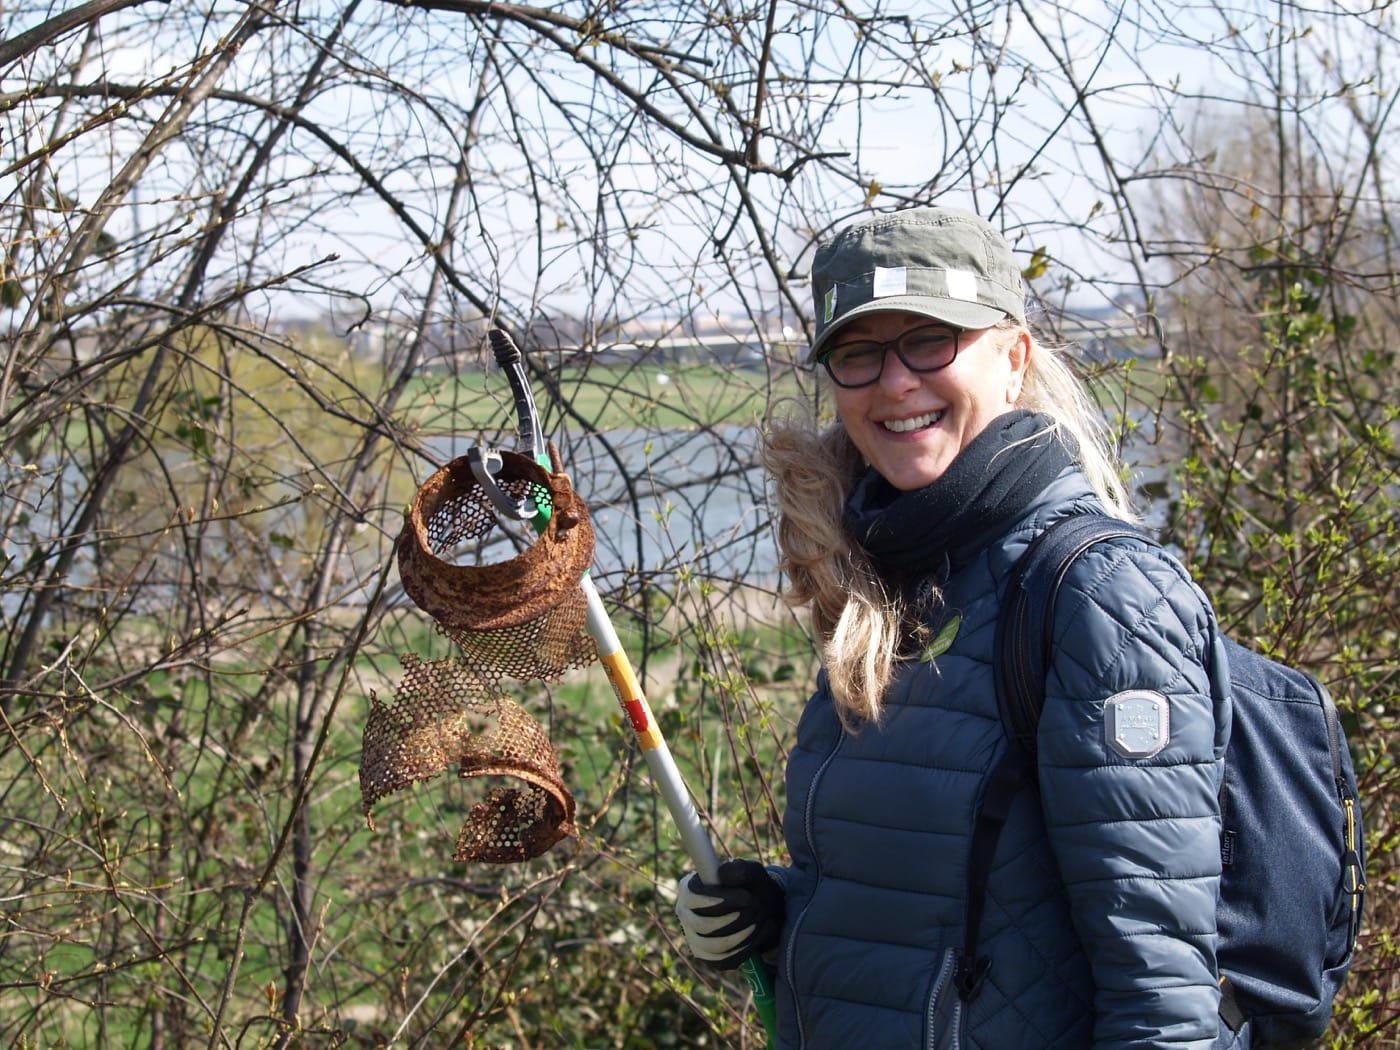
[
  {"x": 1026, "y": 620},
  {"x": 1020, "y": 658}
]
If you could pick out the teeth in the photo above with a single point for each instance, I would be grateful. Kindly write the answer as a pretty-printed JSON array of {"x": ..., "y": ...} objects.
[{"x": 904, "y": 426}]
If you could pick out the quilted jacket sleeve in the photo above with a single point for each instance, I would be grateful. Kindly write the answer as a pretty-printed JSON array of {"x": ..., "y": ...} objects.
[{"x": 1131, "y": 747}]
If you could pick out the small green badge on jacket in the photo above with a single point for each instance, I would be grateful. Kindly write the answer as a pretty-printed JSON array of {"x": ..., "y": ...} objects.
[{"x": 942, "y": 641}]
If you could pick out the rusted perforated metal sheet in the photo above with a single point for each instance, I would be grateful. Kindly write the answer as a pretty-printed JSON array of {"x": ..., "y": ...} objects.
[{"x": 521, "y": 617}]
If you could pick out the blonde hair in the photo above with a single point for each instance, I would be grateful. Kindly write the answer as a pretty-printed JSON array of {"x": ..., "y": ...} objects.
[{"x": 860, "y": 622}]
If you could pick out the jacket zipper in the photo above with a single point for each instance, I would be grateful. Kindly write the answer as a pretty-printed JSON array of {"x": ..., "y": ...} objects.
[
  {"x": 941, "y": 984},
  {"x": 791, "y": 953},
  {"x": 1355, "y": 874}
]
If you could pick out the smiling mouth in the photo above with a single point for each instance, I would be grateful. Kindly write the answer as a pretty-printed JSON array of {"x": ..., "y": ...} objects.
[{"x": 907, "y": 426}]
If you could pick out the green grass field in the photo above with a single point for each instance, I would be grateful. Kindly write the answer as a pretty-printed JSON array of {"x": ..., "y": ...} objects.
[
  {"x": 606, "y": 397},
  {"x": 613, "y": 396}
]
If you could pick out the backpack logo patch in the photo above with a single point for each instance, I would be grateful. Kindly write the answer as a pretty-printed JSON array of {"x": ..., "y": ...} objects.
[{"x": 1137, "y": 723}]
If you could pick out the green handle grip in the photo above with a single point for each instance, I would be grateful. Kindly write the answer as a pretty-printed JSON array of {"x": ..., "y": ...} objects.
[{"x": 760, "y": 980}]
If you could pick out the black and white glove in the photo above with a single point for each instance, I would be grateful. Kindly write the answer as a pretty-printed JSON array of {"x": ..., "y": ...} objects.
[{"x": 729, "y": 922}]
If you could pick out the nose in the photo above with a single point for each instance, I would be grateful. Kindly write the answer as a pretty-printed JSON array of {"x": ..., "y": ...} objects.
[{"x": 895, "y": 376}]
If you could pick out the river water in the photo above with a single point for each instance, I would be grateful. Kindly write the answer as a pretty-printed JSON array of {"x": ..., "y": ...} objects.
[{"x": 665, "y": 506}]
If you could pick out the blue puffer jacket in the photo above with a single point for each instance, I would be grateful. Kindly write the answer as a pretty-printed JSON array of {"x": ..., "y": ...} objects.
[{"x": 1100, "y": 908}]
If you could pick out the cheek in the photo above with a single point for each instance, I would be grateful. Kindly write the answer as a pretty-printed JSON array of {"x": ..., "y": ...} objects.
[
  {"x": 861, "y": 437},
  {"x": 848, "y": 403},
  {"x": 993, "y": 382}
]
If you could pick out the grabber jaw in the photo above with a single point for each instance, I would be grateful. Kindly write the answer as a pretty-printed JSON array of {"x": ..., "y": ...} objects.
[{"x": 485, "y": 465}]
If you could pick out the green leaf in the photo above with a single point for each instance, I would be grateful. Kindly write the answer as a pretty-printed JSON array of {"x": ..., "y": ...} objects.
[
  {"x": 942, "y": 641},
  {"x": 1040, "y": 262}
]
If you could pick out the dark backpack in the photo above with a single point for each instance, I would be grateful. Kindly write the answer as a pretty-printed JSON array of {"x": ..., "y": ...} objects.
[{"x": 1292, "y": 847}]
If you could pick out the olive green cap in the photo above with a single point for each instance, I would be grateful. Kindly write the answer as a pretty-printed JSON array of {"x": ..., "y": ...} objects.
[{"x": 945, "y": 264}]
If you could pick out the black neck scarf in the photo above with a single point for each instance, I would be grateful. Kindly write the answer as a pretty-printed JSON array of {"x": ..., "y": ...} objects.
[{"x": 910, "y": 535}]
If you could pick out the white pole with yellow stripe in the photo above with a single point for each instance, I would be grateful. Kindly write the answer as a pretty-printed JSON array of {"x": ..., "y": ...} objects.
[{"x": 664, "y": 773}]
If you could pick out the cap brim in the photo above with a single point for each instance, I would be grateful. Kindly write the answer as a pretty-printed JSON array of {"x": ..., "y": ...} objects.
[{"x": 956, "y": 312}]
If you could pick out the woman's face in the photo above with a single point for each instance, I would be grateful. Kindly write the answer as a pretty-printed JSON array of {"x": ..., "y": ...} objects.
[{"x": 910, "y": 425}]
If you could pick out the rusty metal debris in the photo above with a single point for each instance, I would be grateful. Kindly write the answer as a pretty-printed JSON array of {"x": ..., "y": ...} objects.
[{"x": 523, "y": 618}]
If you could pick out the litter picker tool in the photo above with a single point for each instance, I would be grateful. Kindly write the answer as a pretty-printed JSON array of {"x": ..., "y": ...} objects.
[{"x": 534, "y": 615}]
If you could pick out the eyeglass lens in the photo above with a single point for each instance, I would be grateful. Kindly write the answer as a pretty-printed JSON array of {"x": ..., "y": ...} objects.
[{"x": 924, "y": 349}]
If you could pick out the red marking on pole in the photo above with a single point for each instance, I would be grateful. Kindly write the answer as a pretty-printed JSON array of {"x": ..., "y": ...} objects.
[{"x": 636, "y": 714}]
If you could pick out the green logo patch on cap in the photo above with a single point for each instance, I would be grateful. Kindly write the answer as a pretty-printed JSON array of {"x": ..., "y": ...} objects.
[{"x": 829, "y": 305}]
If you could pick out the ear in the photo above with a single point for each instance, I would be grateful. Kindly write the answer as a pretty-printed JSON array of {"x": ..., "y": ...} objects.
[{"x": 1018, "y": 355}]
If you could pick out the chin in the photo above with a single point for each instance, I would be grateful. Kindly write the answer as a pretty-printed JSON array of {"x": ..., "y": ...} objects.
[{"x": 912, "y": 480}]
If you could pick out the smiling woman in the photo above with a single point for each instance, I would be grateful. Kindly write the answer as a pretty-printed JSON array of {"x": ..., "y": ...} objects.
[
  {"x": 959, "y": 439},
  {"x": 909, "y": 422}
]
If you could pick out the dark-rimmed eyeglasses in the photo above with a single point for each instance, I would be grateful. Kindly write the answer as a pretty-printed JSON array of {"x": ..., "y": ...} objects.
[{"x": 860, "y": 362}]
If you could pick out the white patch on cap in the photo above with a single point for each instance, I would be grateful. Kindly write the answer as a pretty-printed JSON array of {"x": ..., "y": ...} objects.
[
  {"x": 962, "y": 284},
  {"x": 889, "y": 280},
  {"x": 1137, "y": 723},
  {"x": 829, "y": 305}
]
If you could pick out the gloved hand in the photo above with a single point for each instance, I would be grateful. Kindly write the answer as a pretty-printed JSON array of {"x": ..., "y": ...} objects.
[{"x": 729, "y": 922}]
